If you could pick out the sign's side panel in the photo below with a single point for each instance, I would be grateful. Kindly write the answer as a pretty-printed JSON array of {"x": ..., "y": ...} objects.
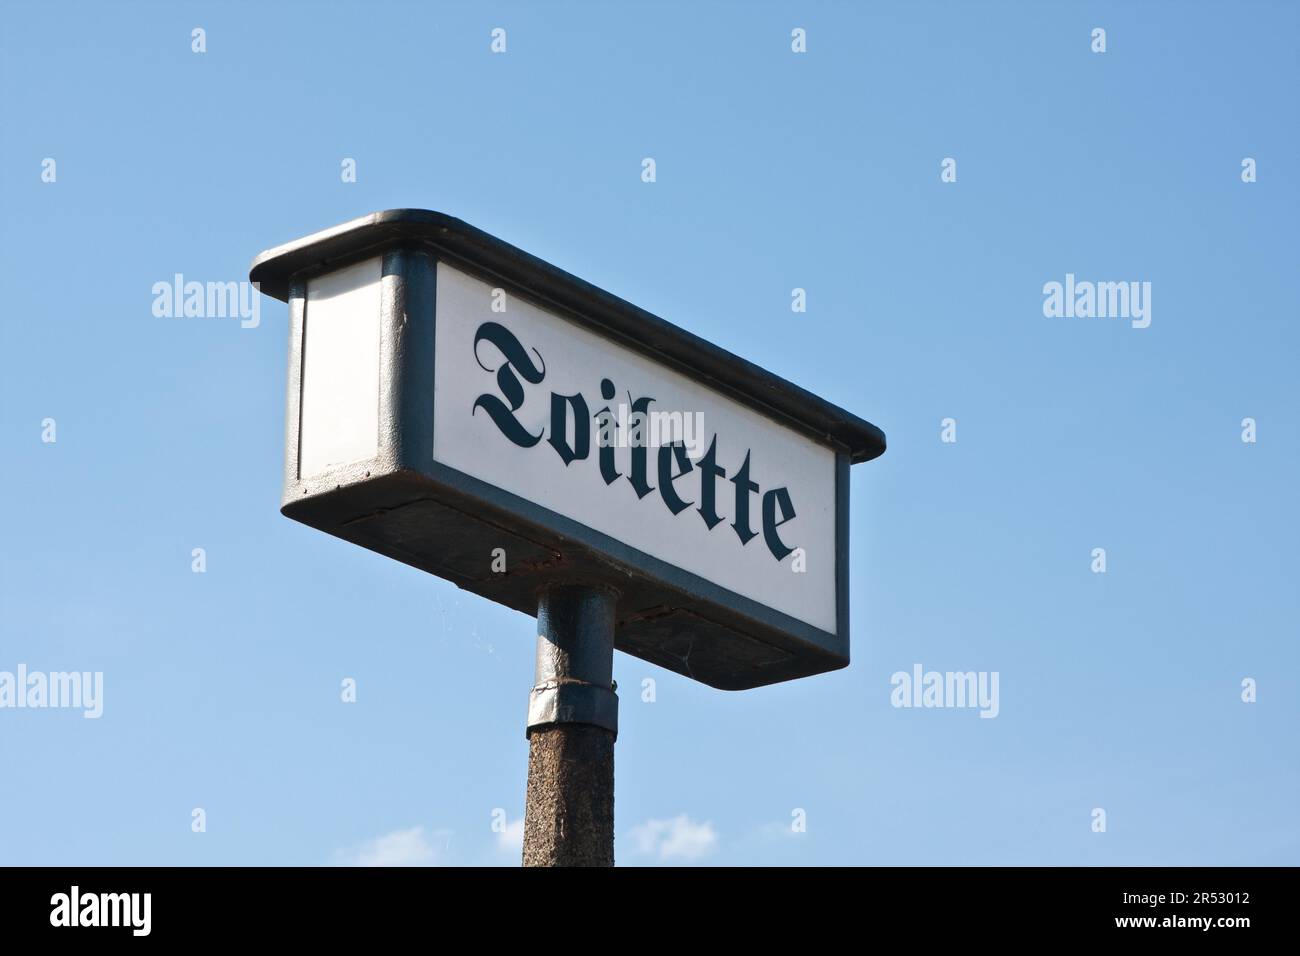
[
  {"x": 293, "y": 389},
  {"x": 538, "y": 406},
  {"x": 340, "y": 369}
]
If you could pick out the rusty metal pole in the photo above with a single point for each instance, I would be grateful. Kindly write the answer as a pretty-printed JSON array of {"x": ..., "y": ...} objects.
[{"x": 572, "y": 724}]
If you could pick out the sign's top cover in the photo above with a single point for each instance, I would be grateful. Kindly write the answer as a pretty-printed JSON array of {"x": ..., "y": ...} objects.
[{"x": 276, "y": 269}]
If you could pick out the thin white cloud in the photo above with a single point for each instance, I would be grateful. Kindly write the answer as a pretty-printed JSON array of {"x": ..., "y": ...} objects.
[
  {"x": 680, "y": 838},
  {"x": 414, "y": 847},
  {"x": 777, "y": 830},
  {"x": 511, "y": 839}
]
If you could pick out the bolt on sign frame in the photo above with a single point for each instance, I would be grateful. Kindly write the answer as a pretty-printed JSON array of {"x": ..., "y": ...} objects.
[{"x": 443, "y": 392}]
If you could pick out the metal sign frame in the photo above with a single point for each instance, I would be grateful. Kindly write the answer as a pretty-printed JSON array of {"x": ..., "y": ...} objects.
[{"x": 404, "y": 504}]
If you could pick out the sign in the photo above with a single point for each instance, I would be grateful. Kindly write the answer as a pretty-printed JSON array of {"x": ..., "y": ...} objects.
[{"x": 463, "y": 407}]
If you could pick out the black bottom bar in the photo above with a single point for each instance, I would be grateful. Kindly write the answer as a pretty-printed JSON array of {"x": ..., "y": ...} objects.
[{"x": 1162, "y": 905}]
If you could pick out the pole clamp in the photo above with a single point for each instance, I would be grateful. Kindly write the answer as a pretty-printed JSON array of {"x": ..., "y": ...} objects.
[{"x": 570, "y": 701}]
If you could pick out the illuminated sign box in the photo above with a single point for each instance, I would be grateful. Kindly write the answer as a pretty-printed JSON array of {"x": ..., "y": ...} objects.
[{"x": 470, "y": 410}]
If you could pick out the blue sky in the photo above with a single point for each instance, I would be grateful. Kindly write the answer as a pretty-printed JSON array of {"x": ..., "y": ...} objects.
[{"x": 775, "y": 170}]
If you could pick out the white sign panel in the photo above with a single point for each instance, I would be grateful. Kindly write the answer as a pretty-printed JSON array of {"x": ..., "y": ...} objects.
[
  {"x": 340, "y": 369},
  {"x": 536, "y": 405}
]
